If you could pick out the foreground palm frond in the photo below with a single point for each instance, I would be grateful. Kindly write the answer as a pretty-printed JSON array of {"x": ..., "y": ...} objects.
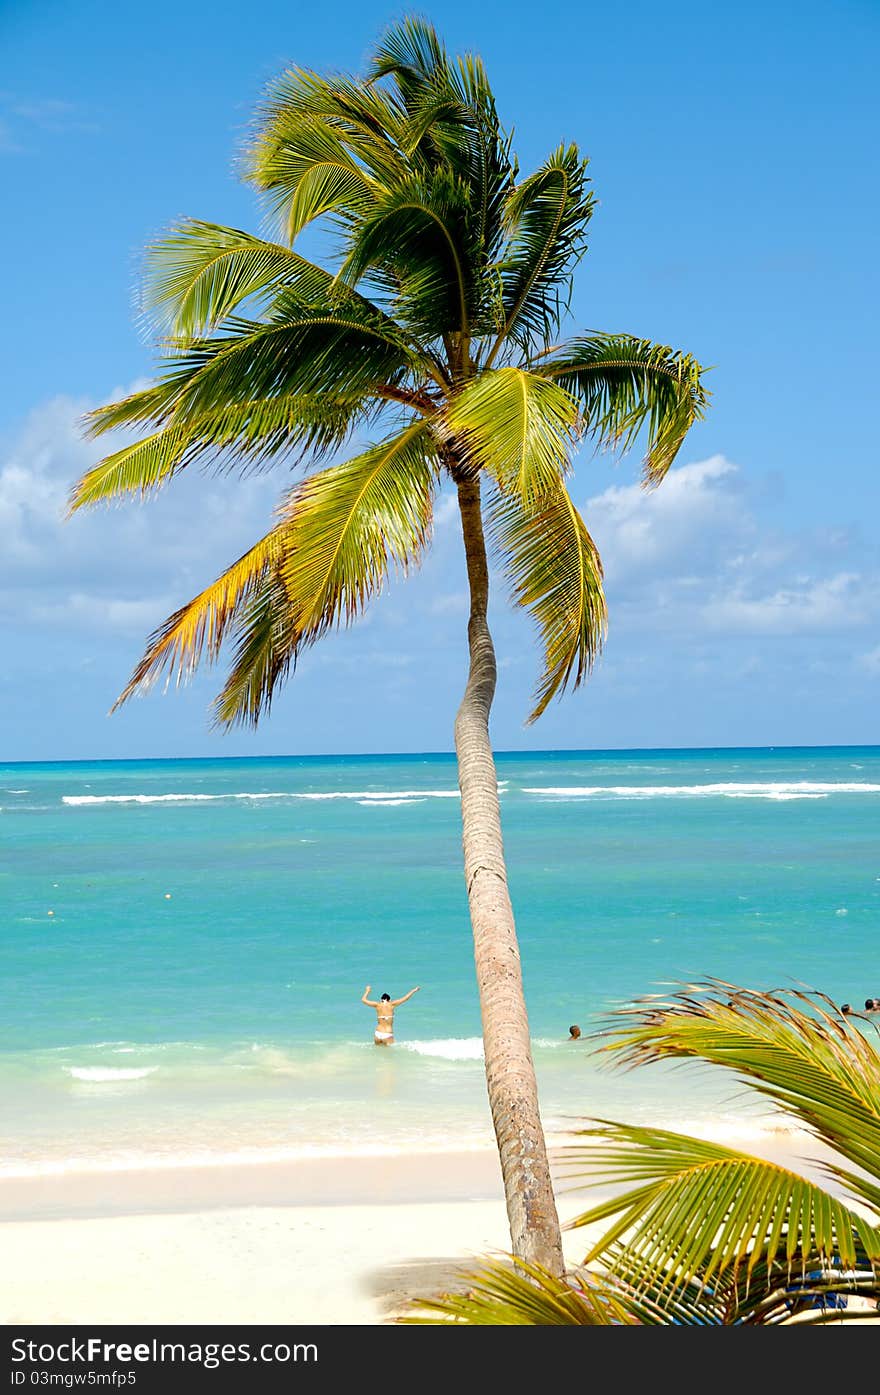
[
  {"x": 528, "y": 1297},
  {"x": 701, "y": 1233},
  {"x": 698, "y": 1208},
  {"x": 451, "y": 283},
  {"x": 690, "y": 1211},
  {"x": 794, "y": 1048}
]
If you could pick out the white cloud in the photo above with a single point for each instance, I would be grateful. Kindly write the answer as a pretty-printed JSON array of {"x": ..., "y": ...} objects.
[
  {"x": 833, "y": 603},
  {"x": 638, "y": 530},
  {"x": 693, "y": 554},
  {"x": 119, "y": 568},
  {"x": 84, "y": 609}
]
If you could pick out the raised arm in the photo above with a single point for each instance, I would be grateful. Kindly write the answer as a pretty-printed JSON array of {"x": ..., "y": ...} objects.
[
  {"x": 369, "y": 1002},
  {"x": 397, "y": 1001}
]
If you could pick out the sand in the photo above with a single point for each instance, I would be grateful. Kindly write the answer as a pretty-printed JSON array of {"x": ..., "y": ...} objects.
[
  {"x": 334, "y": 1240},
  {"x": 337, "y": 1240}
]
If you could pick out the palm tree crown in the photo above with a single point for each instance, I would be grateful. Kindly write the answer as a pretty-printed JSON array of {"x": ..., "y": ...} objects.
[{"x": 433, "y": 336}]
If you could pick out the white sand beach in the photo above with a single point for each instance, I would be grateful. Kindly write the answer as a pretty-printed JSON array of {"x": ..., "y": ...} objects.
[{"x": 337, "y": 1240}]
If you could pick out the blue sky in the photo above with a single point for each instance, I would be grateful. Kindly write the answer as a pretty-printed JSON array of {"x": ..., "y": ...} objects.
[{"x": 733, "y": 152}]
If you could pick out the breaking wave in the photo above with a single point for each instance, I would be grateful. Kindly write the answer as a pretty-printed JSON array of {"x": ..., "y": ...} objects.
[
  {"x": 362, "y": 797},
  {"x": 101, "y": 1075},
  {"x": 778, "y": 790}
]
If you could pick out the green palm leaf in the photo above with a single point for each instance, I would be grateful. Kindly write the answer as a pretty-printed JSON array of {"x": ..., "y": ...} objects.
[
  {"x": 302, "y": 352},
  {"x": 555, "y": 571},
  {"x": 265, "y": 643},
  {"x": 150, "y": 406},
  {"x": 244, "y": 434},
  {"x": 547, "y": 217},
  {"x": 197, "y": 630},
  {"x": 527, "y": 1296},
  {"x": 135, "y": 469},
  {"x": 452, "y": 119},
  {"x": 416, "y": 243},
  {"x": 349, "y": 527},
  {"x": 761, "y": 1295},
  {"x": 411, "y": 52},
  {"x": 796, "y": 1049},
  {"x": 198, "y": 273},
  {"x": 497, "y": 1294},
  {"x": 517, "y": 427},
  {"x": 354, "y": 523},
  {"x": 698, "y": 1209},
  {"x": 623, "y": 385},
  {"x": 341, "y": 532},
  {"x": 324, "y": 146}
]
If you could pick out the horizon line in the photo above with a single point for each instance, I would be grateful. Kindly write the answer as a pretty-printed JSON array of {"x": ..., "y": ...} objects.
[{"x": 414, "y": 755}]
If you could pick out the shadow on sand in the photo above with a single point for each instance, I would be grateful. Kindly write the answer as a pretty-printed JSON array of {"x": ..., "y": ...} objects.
[{"x": 395, "y": 1285}]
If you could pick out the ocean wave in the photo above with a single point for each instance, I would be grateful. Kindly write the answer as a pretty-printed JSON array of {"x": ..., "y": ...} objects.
[
  {"x": 362, "y": 797},
  {"x": 388, "y": 803},
  {"x": 448, "y": 1048},
  {"x": 421, "y": 1143},
  {"x": 778, "y": 790},
  {"x": 140, "y": 798},
  {"x": 377, "y": 796},
  {"x": 102, "y": 1075}
]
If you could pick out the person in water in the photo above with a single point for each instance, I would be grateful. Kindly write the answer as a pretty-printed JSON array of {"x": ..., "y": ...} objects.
[
  {"x": 385, "y": 1014},
  {"x": 574, "y": 1033}
]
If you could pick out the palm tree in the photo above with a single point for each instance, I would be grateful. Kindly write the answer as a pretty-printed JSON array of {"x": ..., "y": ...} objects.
[
  {"x": 705, "y": 1234},
  {"x": 436, "y": 334}
]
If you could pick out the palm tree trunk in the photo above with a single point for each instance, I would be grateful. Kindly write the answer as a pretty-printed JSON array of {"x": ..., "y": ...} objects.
[{"x": 510, "y": 1072}]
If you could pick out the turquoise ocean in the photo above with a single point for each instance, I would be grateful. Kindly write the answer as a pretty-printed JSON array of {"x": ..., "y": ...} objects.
[{"x": 185, "y": 943}]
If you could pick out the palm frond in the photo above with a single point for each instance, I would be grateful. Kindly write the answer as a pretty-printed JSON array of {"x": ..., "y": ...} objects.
[
  {"x": 149, "y": 406},
  {"x": 340, "y": 534},
  {"x": 324, "y": 146},
  {"x": 693, "y": 1210},
  {"x": 197, "y": 630},
  {"x": 756, "y": 1296},
  {"x": 623, "y": 385},
  {"x": 516, "y": 426},
  {"x": 198, "y": 273},
  {"x": 352, "y": 524},
  {"x": 452, "y": 118},
  {"x": 265, "y": 639},
  {"x": 412, "y": 53},
  {"x": 298, "y": 351},
  {"x": 416, "y": 243},
  {"x": 527, "y": 1296},
  {"x": 556, "y": 573},
  {"x": 795, "y": 1049},
  {"x": 134, "y": 469},
  {"x": 243, "y": 435},
  {"x": 546, "y": 217}
]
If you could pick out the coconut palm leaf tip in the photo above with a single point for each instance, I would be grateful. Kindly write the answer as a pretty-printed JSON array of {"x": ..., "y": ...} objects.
[
  {"x": 436, "y": 335},
  {"x": 691, "y": 1231}
]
